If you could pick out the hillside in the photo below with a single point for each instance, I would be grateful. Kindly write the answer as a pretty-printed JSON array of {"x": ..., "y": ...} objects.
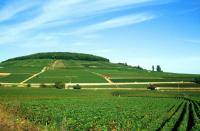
[{"x": 78, "y": 68}]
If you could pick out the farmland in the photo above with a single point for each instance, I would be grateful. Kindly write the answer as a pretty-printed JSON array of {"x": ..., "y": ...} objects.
[
  {"x": 82, "y": 71},
  {"x": 110, "y": 96},
  {"x": 55, "y": 109},
  {"x": 70, "y": 75}
]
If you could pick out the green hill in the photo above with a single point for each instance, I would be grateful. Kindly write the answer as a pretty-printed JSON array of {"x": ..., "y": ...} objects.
[
  {"x": 78, "y": 68},
  {"x": 62, "y": 56}
]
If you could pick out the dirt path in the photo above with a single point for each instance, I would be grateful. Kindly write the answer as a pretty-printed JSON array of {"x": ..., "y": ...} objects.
[
  {"x": 114, "y": 88},
  {"x": 108, "y": 84},
  {"x": 58, "y": 64},
  {"x": 4, "y": 74},
  {"x": 176, "y": 88},
  {"x": 125, "y": 83},
  {"x": 9, "y": 122},
  {"x": 103, "y": 76},
  {"x": 34, "y": 75}
]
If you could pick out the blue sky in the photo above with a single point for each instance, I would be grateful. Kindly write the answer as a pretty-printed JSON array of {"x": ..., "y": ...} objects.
[{"x": 139, "y": 32}]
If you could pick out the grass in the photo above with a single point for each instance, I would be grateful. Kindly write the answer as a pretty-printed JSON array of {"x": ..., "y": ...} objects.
[
  {"x": 75, "y": 71},
  {"x": 14, "y": 78},
  {"x": 20, "y": 70},
  {"x": 68, "y": 75},
  {"x": 135, "y": 75},
  {"x": 56, "y": 109}
]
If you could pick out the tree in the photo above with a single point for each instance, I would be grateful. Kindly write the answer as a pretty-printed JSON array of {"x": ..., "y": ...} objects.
[
  {"x": 197, "y": 80},
  {"x": 153, "y": 68},
  {"x": 151, "y": 87},
  {"x": 43, "y": 85},
  {"x": 59, "y": 85},
  {"x": 28, "y": 85},
  {"x": 158, "y": 68},
  {"x": 77, "y": 86}
]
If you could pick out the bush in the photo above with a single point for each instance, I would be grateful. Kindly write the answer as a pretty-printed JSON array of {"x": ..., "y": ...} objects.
[
  {"x": 14, "y": 86},
  {"x": 43, "y": 85},
  {"x": 59, "y": 85},
  {"x": 151, "y": 87},
  {"x": 197, "y": 80},
  {"x": 77, "y": 87},
  {"x": 28, "y": 85}
]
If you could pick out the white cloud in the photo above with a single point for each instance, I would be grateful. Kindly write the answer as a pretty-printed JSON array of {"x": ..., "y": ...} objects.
[
  {"x": 117, "y": 22},
  {"x": 53, "y": 13},
  {"x": 80, "y": 44},
  {"x": 62, "y": 12},
  {"x": 9, "y": 11}
]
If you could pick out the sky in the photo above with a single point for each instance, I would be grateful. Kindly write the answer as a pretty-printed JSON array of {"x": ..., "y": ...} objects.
[{"x": 138, "y": 32}]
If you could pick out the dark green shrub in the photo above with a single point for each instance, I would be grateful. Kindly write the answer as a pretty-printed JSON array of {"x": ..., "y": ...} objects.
[
  {"x": 77, "y": 87},
  {"x": 14, "y": 86},
  {"x": 197, "y": 80},
  {"x": 151, "y": 87},
  {"x": 28, "y": 85},
  {"x": 59, "y": 85},
  {"x": 43, "y": 85}
]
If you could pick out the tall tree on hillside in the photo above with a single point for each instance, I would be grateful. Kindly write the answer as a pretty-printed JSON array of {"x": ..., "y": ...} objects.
[
  {"x": 158, "y": 68},
  {"x": 153, "y": 68}
]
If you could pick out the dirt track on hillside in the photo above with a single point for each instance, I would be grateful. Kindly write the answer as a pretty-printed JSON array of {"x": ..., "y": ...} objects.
[
  {"x": 34, "y": 75},
  {"x": 4, "y": 74}
]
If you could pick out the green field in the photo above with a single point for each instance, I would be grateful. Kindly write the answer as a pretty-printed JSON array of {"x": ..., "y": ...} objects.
[
  {"x": 78, "y": 71},
  {"x": 56, "y": 109},
  {"x": 67, "y": 76},
  {"x": 135, "y": 75},
  {"x": 20, "y": 70},
  {"x": 106, "y": 106}
]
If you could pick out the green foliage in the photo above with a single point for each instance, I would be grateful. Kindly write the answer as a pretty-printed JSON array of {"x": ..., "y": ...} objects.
[
  {"x": 28, "y": 85},
  {"x": 43, "y": 85},
  {"x": 151, "y": 87},
  {"x": 100, "y": 109},
  {"x": 197, "y": 80},
  {"x": 158, "y": 68},
  {"x": 61, "y": 55},
  {"x": 77, "y": 87},
  {"x": 153, "y": 68},
  {"x": 59, "y": 85}
]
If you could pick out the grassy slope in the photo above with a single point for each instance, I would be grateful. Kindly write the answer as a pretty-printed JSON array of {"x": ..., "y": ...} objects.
[
  {"x": 80, "y": 71},
  {"x": 22, "y": 69}
]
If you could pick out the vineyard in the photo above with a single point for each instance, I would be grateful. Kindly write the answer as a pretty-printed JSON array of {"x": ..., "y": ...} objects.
[
  {"x": 54, "y": 109},
  {"x": 82, "y": 71}
]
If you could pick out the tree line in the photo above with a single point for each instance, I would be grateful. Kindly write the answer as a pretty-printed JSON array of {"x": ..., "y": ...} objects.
[
  {"x": 62, "y": 55},
  {"x": 157, "y": 68}
]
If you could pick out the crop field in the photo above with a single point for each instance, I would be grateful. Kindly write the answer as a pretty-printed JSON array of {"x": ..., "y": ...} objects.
[
  {"x": 56, "y": 109},
  {"x": 90, "y": 64},
  {"x": 68, "y": 75},
  {"x": 134, "y": 75},
  {"x": 20, "y": 70},
  {"x": 14, "y": 78},
  {"x": 78, "y": 71}
]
